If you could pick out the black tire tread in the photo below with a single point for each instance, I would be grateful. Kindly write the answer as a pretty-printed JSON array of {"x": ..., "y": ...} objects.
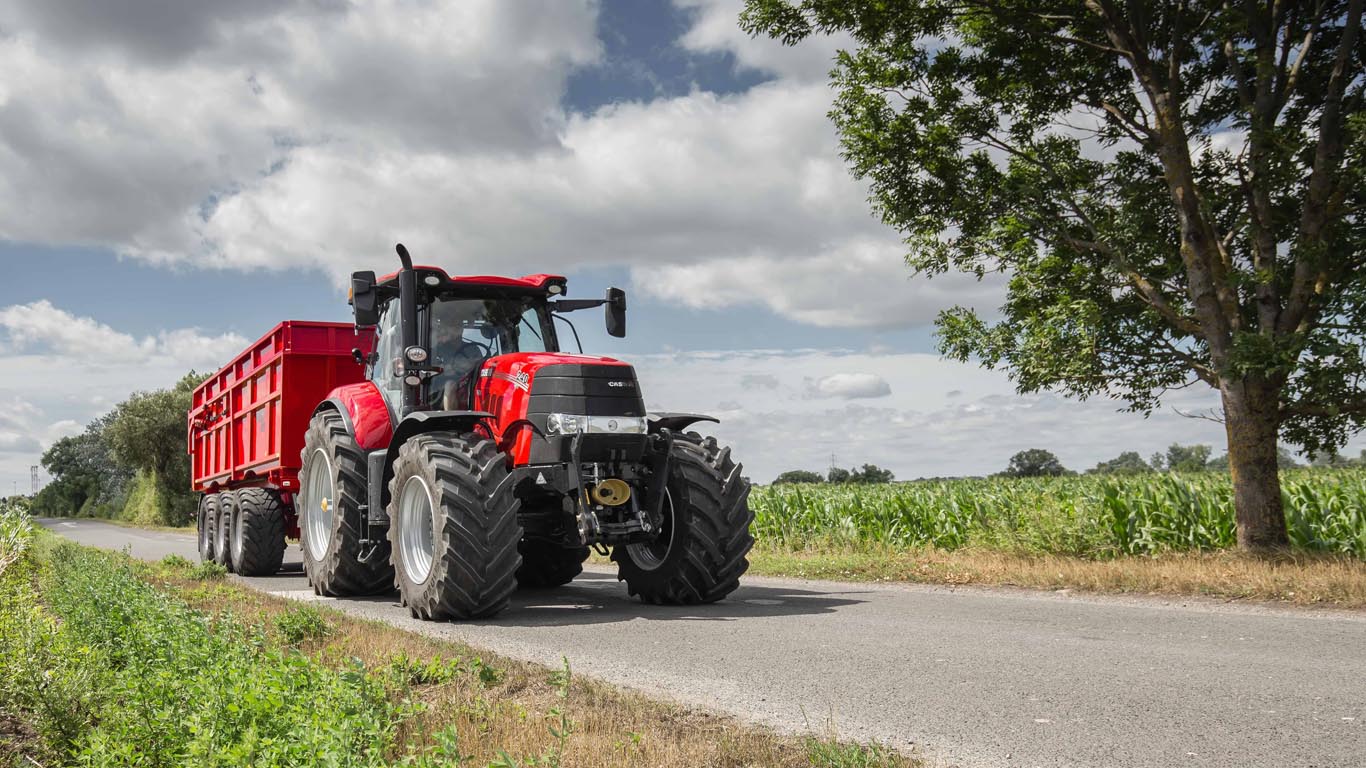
[
  {"x": 222, "y": 526},
  {"x": 474, "y": 571},
  {"x": 208, "y": 519},
  {"x": 341, "y": 573},
  {"x": 262, "y": 547},
  {"x": 715, "y": 553}
]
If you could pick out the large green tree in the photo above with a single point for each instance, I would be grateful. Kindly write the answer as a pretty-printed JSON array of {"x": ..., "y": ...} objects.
[{"x": 1174, "y": 189}]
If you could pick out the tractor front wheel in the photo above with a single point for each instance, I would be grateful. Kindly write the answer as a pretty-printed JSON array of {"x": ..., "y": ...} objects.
[
  {"x": 332, "y": 484},
  {"x": 704, "y": 536},
  {"x": 453, "y": 527}
]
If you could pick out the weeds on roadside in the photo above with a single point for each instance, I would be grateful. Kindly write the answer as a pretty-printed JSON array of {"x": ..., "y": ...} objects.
[
  {"x": 301, "y": 624},
  {"x": 207, "y": 571}
]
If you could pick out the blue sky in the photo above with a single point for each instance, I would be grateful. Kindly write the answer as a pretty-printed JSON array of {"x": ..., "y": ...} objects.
[{"x": 174, "y": 182}]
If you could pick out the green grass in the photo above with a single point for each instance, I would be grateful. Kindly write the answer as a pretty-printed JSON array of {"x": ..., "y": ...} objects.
[
  {"x": 107, "y": 661},
  {"x": 112, "y": 672},
  {"x": 1090, "y": 517}
]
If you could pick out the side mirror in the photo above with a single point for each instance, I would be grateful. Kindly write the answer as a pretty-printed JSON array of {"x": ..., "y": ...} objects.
[
  {"x": 616, "y": 312},
  {"x": 364, "y": 299}
]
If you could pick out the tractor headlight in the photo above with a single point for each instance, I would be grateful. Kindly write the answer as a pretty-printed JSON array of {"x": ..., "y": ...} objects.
[{"x": 573, "y": 424}]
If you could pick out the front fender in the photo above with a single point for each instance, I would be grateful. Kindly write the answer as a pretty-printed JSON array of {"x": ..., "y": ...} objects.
[
  {"x": 418, "y": 422},
  {"x": 676, "y": 422}
]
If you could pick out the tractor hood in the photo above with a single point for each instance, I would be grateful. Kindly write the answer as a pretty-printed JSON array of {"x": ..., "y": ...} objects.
[{"x": 539, "y": 398}]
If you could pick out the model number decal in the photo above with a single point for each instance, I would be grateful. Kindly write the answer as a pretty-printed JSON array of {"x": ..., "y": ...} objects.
[{"x": 519, "y": 380}]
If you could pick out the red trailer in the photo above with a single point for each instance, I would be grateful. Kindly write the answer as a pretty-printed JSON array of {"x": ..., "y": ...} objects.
[{"x": 247, "y": 421}]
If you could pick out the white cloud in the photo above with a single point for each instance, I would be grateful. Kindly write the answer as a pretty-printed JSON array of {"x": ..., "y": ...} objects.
[
  {"x": 939, "y": 418},
  {"x": 316, "y": 134},
  {"x": 848, "y": 386},
  {"x": 59, "y": 371},
  {"x": 716, "y": 29},
  {"x": 43, "y": 329}
]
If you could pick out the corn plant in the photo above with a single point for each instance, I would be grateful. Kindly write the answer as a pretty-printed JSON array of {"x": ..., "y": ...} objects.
[{"x": 1089, "y": 516}]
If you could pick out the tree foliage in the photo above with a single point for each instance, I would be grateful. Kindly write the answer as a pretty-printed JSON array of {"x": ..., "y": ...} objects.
[
  {"x": 1035, "y": 462},
  {"x": 799, "y": 476},
  {"x": 142, "y": 436},
  {"x": 1127, "y": 463},
  {"x": 1175, "y": 191}
]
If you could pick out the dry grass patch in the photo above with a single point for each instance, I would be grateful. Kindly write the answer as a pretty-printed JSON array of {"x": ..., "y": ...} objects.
[
  {"x": 498, "y": 705},
  {"x": 1299, "y": 578}
]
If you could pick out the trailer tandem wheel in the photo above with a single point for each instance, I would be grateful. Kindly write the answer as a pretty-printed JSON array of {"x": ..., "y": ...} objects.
[
  {"x": 258, "y": 532},
  {"x": 222, "y": 529},
  {"x": 208, "y": 517}
]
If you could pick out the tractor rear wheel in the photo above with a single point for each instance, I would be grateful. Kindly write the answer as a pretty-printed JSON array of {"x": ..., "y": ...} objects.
[
  {"x": 547, "y": 564},
  {"x": 704, "y": 536},
  {"x": 208, "y": 516},
  {"x": 453, "y": 527},
  {"x": 258, "y": 532},
  {"x": 222, "y": 529},
  {"x": 332, "y": 486}
]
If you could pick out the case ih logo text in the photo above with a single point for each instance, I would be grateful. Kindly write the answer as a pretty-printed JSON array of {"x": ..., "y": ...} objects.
[{"x": 621, "y": 383}]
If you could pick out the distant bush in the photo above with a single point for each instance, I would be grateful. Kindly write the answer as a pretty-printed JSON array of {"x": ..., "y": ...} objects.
[{"x": 799, "y": 476}]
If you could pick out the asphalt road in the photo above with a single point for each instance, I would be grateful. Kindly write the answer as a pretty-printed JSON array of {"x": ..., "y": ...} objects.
[{"x": 966, "y": 677}]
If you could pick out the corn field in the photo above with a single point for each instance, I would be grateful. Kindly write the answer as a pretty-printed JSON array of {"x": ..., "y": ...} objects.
[{"x": 1094, "y": 517}]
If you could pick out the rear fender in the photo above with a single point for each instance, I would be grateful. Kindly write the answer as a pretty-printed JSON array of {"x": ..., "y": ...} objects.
[
  {"x": 365, "y": 412},
  {"x": 417, "y": 423}
]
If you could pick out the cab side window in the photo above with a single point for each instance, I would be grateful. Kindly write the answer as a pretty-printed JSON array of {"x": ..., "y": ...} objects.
[{"x": 387, "y": 351}]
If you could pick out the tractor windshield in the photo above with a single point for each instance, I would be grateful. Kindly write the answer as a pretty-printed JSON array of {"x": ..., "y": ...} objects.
[{"x": 465, "y": 332}]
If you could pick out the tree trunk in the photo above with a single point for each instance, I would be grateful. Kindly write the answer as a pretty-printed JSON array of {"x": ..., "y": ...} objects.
[{"x": 1251, "y": 416}]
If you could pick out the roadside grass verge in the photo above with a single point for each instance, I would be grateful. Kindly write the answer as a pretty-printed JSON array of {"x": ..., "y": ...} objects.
[
  {"x": 106, "y": 661},
  {"x": 1299, "y": 578}
]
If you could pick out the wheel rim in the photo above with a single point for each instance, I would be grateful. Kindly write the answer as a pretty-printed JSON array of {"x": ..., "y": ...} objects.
[
  {"x": 416, "y": 544},
  {"x": 318, "y": 504},
  {"x": 650, "y": 555}
]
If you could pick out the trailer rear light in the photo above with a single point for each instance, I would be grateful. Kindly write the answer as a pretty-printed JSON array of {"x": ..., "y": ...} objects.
[{"x": 573, "y": 424}]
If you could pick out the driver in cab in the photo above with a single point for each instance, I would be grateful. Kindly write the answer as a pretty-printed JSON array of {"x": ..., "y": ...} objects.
[{"x": 457, "y": 349}]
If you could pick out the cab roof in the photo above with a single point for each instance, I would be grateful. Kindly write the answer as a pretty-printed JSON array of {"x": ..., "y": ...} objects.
[{"x": 535, "y": 283}]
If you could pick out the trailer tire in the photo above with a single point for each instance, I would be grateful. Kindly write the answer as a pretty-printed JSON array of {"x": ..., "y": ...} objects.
[
  {"x": 331, "y": 541},
  {"x": 547, "y": 564},
  {"x": 258, "y": 532},
  {"x": 464, "y": 566},
  {"x": 705, "y": 537},
  {"x": 208, "y": 517},
  {"x": 222, "y": 530}
]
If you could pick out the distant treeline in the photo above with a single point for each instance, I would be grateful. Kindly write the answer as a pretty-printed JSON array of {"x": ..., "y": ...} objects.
[
  {"x": 1038, "y": 462},
  {"x": 129, "y": 464}
]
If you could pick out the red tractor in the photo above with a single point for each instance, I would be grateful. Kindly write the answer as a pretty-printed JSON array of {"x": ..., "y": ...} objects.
[{"x": 473, "y": 456}]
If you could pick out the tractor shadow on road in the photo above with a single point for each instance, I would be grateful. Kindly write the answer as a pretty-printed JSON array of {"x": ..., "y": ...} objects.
[{"x": 598, "y": 598}]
